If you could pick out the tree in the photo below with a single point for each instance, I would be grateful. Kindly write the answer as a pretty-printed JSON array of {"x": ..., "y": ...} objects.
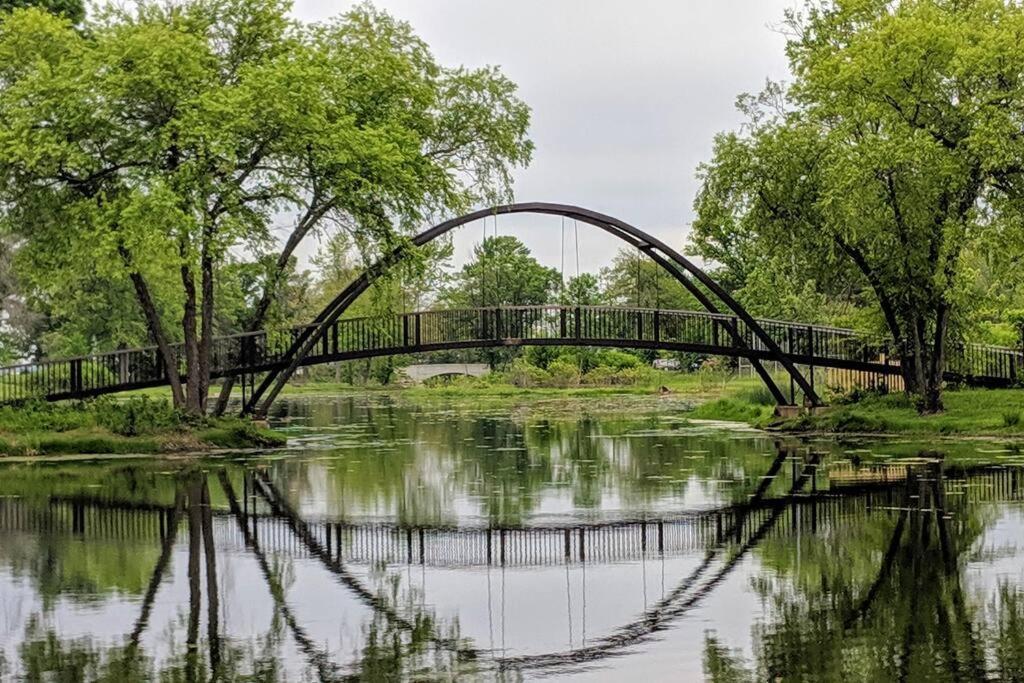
[
  {"x": 73, "y": 10},
  {"x": 161, "y": 141},
  {"x": 581, "y": 290},
  {"x": 635, "y": 280},
  {"x": 502, "y": 272},
  {"x": 897, "y": 148}
]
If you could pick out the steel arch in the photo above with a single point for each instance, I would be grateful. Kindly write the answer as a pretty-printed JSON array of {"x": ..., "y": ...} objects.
[{"x": 681, "y": 268}]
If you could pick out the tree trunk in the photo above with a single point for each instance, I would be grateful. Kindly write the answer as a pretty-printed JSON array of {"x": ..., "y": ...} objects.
[
  {"x": 206, "y": 334},
  {"x": 193, "y": 381},
  {"x": 156, "y": 328},
  {"x": 922, "y": 361},
  {"x": 931, "y": 398}
]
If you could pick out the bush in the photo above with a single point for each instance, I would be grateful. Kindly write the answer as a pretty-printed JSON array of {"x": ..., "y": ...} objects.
[
  {"x": 523, "y": 375},
  {"x": 39, "y": 416},
  {"x": 137, "y": 415},
  {"x": 562, "y": 373},
  {"x": 617, "y": 360},
  {"x": 600, "y": 376},
  {"x": 1011, "y": 418}
]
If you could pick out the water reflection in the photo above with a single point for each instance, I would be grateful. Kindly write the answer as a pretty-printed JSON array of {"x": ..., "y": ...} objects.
[{"x": 410, "y": 541}]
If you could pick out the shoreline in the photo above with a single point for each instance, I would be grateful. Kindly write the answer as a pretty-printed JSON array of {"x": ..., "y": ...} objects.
[{"x": 994, "y": 415}]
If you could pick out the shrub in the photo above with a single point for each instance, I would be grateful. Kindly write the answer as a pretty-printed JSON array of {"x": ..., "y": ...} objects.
[
  {"x": 39, "y": 416},
  {"x": 137, "y": 415},
  {"x": 562, "y": 373},
  {"x": 599, "y": 376},
  {"x": 1011, "y": 418},
  {"x": 523, "y": 375},
  {"x": 617, "y": 360}
]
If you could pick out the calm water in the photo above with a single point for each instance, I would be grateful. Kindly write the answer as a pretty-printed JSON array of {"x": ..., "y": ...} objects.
[{"x": 592, "y": 540}]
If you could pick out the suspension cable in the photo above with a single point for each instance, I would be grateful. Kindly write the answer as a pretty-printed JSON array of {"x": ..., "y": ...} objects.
[
  {"x": 576, "y": 227},
  {"x": 563, "y": 253},
  {"x": 638, "y": 278},
  {"x": 483, "y": 265}
]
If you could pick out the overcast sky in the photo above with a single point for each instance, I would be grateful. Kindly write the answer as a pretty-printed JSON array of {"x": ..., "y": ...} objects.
[{"x": 626, "y": 98}]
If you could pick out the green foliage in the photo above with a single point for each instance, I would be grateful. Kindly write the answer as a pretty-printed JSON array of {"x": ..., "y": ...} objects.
[
  {"x": 140, "y": 156},
  {"x": 72, "y": 10},
  {"x": 969, "y": 411},
  {"x": 139, "y": 424},
  {"x": 502, "y": 272},
  {"x": 635, "y": 280},
  {"x": 136, "y": 415},
  {"x": 604, "y": 367},
  {"x": 732, "y": 410},
  {"x": 889, "y": 164},
  {"x": 581, "y": 290}
]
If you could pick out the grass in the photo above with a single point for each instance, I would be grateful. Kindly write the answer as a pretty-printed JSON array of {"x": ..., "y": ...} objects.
[
  {"x": 701, "y": 387},
  {"x": 968, "y": 412},
  {"x": 747, "y": 406},
  {"x": 107, "y": 426}
]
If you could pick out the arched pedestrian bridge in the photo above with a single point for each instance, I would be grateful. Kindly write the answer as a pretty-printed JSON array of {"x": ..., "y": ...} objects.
[
  {"x": 264, "y": 361},
  {"x": 406, "y": 333}
]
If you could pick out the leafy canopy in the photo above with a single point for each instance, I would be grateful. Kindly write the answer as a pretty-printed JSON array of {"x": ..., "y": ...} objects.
[
  {"x": 502, "y": 272},
  {"x": 163, "y": 145},
  {"x": 895, "y": 152}
]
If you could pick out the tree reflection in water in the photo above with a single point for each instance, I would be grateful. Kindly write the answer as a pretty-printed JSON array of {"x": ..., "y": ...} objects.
[
  {"x": 862, "y": 578},
  {"x": 902, "y": 616},
  {"x": 391, "y": 650}
]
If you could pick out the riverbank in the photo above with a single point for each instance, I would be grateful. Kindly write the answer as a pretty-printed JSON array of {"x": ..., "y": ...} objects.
[
  {"x": 698, "y": 387},
  {"x": 969, "y": 412},
  {"x": 702, "y": 387},
  {"x": 138, "y": 425}
]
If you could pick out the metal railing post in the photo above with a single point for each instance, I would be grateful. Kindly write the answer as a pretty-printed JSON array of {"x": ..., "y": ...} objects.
[{"x": 76, "y": 375}]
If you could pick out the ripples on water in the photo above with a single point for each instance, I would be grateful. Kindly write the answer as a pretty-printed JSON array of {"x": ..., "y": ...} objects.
[{"x": 597, "y": 540}]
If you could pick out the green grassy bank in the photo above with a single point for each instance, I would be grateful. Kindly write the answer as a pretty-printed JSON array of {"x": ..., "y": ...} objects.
[
  {"x": 136, "y": 425},
  {"x": 700, "y": 386},
  {"x": 969, "y": 412}
]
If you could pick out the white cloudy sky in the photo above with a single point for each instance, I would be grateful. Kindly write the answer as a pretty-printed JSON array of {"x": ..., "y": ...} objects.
[{"x": 626, "y": 97}]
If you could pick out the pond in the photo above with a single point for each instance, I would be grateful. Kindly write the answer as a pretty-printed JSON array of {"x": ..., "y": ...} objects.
[{"x": 590, "y": 538}]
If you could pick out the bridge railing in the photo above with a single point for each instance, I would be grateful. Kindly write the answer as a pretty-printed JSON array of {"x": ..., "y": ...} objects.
[{"x": 409, "y": 332}]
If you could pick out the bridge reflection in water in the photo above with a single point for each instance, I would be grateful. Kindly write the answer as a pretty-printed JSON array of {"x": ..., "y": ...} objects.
[{"x": 243, "y": 511}]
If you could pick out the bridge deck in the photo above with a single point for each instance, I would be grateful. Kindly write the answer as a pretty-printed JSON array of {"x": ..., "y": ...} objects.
[{"x": 352, "y": 338}]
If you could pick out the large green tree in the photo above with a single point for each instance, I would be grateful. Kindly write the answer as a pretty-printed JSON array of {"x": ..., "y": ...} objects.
[
  {"x": 897, "y": 148},
  {"x": 502, "y": 272},
  {"x": 161, "y": 141},
  {"x": 633, "y": 279}
]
